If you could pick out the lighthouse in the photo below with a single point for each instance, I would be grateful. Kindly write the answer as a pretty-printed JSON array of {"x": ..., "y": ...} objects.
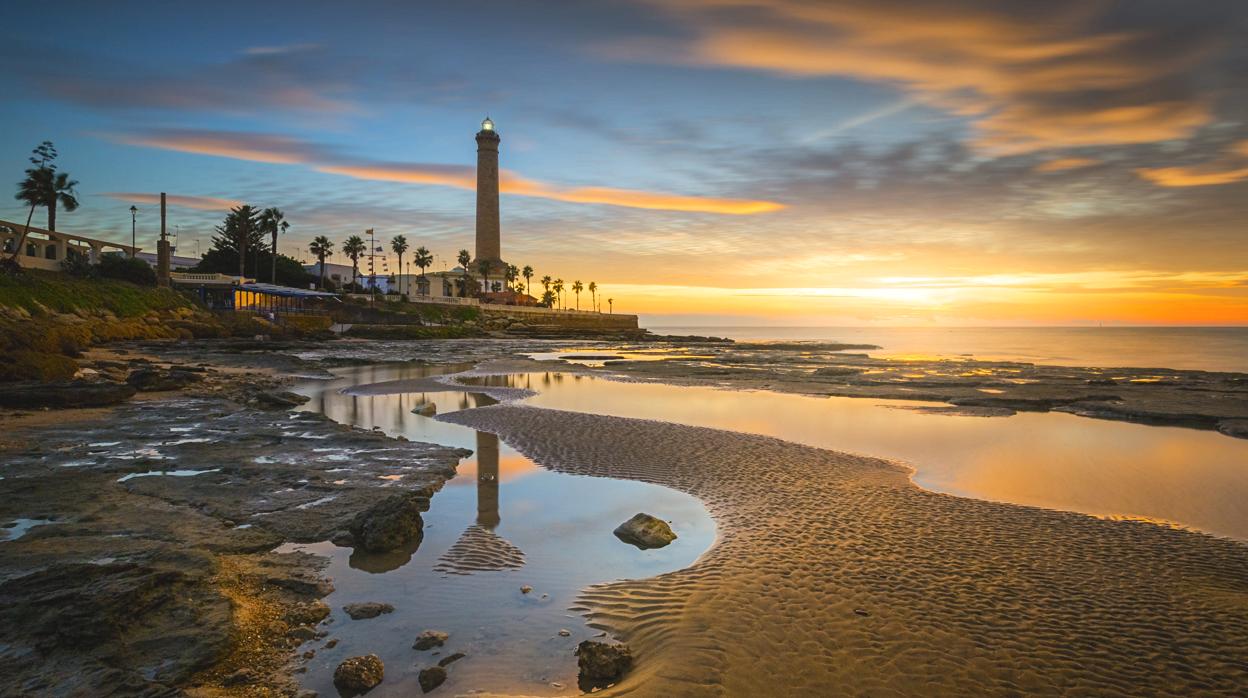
[{"x": 488, "y": 246}]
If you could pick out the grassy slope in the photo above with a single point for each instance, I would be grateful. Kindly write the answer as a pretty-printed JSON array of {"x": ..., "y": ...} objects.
[{"x": 34, "y": 291}]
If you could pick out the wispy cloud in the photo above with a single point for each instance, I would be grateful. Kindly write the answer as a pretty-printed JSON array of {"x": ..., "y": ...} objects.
[
  {"x": 1063, "y": 164},
  {"x": 1068, "y": 74},
  {"x": 270, "y": 148},
  {"x": 199, "y": 203}
]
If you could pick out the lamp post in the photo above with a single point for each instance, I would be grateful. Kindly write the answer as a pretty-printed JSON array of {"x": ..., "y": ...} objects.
[{"x": 134, "y": 215}]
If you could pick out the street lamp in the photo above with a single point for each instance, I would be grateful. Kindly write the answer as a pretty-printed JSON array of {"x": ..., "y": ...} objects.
[{"x": 134, "y": 214}]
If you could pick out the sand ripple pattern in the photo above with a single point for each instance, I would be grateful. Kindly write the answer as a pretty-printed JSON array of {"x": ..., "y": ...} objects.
[
  {"x": 835, "y": 575},
  {"x": 480, "y": 550}
]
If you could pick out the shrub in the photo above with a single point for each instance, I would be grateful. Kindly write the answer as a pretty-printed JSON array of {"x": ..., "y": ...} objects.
[
  {"x": 79, "y": 266},
  {"x": 136, "y": 271}
]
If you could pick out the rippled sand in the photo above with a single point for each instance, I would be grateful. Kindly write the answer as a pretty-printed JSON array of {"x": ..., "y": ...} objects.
[{"x": 834, "y": 574}]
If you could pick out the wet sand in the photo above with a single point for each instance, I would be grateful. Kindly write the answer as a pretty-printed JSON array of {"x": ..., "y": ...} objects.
[{"x": 833, "y": 574}]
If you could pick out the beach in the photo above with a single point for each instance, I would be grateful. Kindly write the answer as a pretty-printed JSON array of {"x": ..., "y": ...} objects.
[{"x": 824, "y": 572}]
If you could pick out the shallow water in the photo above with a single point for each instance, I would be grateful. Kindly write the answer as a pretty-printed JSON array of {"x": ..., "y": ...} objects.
[
  {"x": 502, "y": 523},
  {"x": 1192, "y": 478},
  {"x": 1197, "y": 348}
]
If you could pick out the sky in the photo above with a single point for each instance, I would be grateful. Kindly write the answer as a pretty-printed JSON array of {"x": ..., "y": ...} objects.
[{"x": 705, "y": 162}]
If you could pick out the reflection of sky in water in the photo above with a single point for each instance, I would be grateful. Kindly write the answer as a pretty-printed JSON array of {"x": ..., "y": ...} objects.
[
  {"x": 1057, "y": 460},
  {"x": 560, "y": 524}
]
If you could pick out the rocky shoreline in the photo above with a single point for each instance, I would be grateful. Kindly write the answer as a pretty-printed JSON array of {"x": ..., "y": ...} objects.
[{"x": 141, "y": 559}]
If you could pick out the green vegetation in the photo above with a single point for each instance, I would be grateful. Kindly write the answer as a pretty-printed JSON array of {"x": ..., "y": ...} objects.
[{"x": 39, "y": 292}]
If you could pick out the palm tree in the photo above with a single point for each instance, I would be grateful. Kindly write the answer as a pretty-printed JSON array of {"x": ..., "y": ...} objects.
[
  {"x": 558, "y": 286},
  {"x": 272, "y": 221},
  {"x": 44, "y": 186},
  {"x": 423, "y": 259},
  {"x": 513, "y": 273},
  {"x": 483, "y": 268},
  {"x": 527, "y": 273},
  {"x": 353, "y": 248},
  {"x": 322, "y": 247},
  {"x": 577, "y": 287},
  {"x": 611, "y": 305},
  {"x": 593, "y": 295},
  {"x": 463, "y": 258},
  {"x": 398, "y": 243}
]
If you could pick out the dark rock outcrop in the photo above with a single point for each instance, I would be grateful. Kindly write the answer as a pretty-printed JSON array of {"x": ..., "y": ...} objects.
[
  {"x": 358, "y": 674},
  {"x": 601, "y": 663},
  {"x": 367, "y": 609},
  {"x": 430, "y": 639},
  {"x": 431, "y": 677},
  {"x": 391, "y": 523},
  {"x": 147, "y": 380},
  {"x": 65, "y": 394}
]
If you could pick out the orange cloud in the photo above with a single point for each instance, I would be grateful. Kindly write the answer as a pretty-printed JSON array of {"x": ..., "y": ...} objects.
[
  {"x": 1225, "y": 170},
  {"x": 1029, "y": 85},
  {"x": 288, "y": 151},
  {"x": 1061, "y": 164},
  {"x": 199, "y": 203}
]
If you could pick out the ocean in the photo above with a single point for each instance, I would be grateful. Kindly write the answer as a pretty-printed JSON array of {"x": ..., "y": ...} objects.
[{"x": 1194, "y": 348}]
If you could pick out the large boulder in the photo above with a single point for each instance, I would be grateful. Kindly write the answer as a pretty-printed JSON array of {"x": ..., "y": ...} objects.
[
  {"x": 600, "y": 662},
  {"x": 645, "y": 531},
  {"x": 358, "y": 674},
  {"x": 391, "y": 523},
  {"x": 79, "y": 393}
]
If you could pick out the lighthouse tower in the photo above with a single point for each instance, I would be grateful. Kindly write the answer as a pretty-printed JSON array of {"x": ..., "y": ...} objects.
[{"x": 488, "y": 247}]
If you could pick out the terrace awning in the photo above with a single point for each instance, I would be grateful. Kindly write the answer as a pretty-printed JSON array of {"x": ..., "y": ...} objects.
[{"x": 286, "y": 291}]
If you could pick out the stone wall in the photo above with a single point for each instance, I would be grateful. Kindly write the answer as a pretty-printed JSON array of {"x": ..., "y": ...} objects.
[{"x": 546, "y": 317}]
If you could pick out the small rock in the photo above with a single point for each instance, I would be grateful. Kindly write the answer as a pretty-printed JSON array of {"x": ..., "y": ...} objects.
[
  {"x": 645, "y": 531},
  {"x": 302, "y": 633},
  {"x": 599, "y": 661},
  {"x": 525, "y": 589},
  {"x": 331, "y": 644},
  {"x": 564, "y": 632},
  {"x": 309, "y": 654},
  {"x": 862, "y": 612},
  {"x": 425, "y": 409},
  {"x": 451, "y": 659},
  {"x": 367, "y": 609},
  {"x": 430, "y": 639},
  {"x": 279, "y": 399},
  {"x": 431, "y": 678},
  {"x": 391, "y": 523},
  {"x": 242, "y": 677},
  {"x": 359, "y": 673}
]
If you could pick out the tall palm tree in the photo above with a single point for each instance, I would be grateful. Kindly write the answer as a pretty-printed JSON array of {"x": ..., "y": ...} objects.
[
  {"x": 483, "y": 268},
  {"x": 44, "y": 186},
  {"x": 558, "y": 286},
  {"x": 322, "y": 247},
  {"x": 464, "y": 259},
  {"x": 272, "y": 221},
  {"x": 353, "y": 248},
  {"x": 593, "y": 295},
  {"x": 611, "y": 305},
  {"x": 398, "y": 243},
  {"x": 577, "y": 287},
  {"x": 423, "y": 259},
  {"x": 513, "y": 273},
  {"x": 527, "y": 273}
]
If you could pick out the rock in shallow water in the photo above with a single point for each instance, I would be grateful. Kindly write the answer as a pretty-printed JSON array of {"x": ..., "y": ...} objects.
[
  {"x": 431, "y": 678},
  {"x": 430, "y": 639},
  {"x": 359, "y": 673},
  {"x": 391, "y": 523},
  {"x": 77, "y": 393},
  {"x": 367, "y": 609},
  {"x": 645, "y": 531},
  {"x": 600, "y": 662}
]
